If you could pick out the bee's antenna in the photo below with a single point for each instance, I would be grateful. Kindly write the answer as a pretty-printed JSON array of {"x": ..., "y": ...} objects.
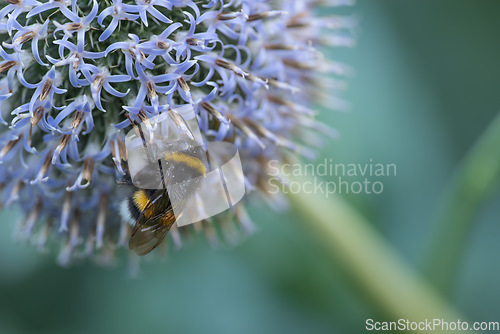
[
  {"x": 162, "y": 176},
  {"x": 137, "y": 130}
]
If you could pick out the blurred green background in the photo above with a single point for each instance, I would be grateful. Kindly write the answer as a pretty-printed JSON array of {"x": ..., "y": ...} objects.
[{"x": 426, "y": 85}]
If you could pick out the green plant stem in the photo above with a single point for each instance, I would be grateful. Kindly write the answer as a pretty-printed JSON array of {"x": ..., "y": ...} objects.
[
  {"x": 471, "y": 185},
  {"x": 369, "y": 260}
]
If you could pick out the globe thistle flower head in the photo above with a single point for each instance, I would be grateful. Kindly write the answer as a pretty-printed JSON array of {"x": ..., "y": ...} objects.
[{"x": 75, "y": 74}]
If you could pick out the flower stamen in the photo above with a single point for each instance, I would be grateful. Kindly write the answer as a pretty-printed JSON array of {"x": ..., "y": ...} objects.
[
  {"x": 7, "y": 65},
  {"x": 62, "y": 144},
  {"x": 245, "y": 129},
  {"x": 9, "y": 146},
  {"x": 151, "y": 89},
  {"x": 265, "y": 15},
  {"x": 183, "y": 84},
  {"x": 88, "y": 169},
  {"x": 25, "y": 37},
  {"x": 162, "y": 45},
  {"x": 46, "y": 89},
  {"x": 74, "y": 26},
  {"x": 77, "y": 120},
  {"x": 98, "y": 83},
  {"x": 37, "y": 115},
  {"x": 211, "y": 109}
]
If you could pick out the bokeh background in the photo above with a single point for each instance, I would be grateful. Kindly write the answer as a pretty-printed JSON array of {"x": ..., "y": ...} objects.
[{"x": 426, "y": 85}]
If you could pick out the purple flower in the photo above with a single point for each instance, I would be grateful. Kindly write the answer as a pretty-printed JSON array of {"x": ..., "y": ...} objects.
[
  {"x": 46, "y": 88},
  {"x": 190, "y": 40},
  {"x": 144, "y": 7},
  {"x": 53, "y": 4},
  {"x": 75, "y": 59},
  {"x": 73, "y": 125},
  {"x": 14, "y": 63},
  {"x": 118, "y": 14},
  {"x": 133, "y": 51},
  {"x": 100, "y": 78},
  {"x": 246, "y": 71},
  {"x": 162, "y": 45},
  {"x": 25, "y": 34},
  {"x": 179, "y": 81},
  {"x": 14, "y": 9},
  {"x": 149, "y": 87}
]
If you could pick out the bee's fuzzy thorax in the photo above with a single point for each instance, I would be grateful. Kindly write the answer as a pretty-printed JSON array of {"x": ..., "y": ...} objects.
[{"x": 190, "y": 161}]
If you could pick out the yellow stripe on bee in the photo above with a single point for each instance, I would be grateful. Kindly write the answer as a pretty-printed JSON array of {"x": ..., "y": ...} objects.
[
  {"x": 141, "y": 200},
  {"x": 189, "y": 160}
]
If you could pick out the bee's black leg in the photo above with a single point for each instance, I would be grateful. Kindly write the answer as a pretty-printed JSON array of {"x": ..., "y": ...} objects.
[{"x": 126, "y": 180}]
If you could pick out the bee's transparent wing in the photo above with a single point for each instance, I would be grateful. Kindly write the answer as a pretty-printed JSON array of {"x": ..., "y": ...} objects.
[{"x": 149, "y": 232}]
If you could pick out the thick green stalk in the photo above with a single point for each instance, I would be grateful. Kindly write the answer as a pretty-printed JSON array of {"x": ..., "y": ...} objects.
[
  {"x": 474, "y": 181},
  {"x": 369, "y": 260}
]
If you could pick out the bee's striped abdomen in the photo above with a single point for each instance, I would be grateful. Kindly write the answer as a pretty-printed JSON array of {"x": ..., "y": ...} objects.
[
  {"x": 140, "y": 202},
  {"x": 133, "y": 211}
]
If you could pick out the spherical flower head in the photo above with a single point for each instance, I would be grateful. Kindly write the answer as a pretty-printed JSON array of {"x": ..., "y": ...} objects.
[{"x": 75, "y": 75}]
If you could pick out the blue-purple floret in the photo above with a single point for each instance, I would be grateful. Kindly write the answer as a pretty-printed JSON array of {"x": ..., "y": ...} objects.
[{"x": 73, "y": 72}]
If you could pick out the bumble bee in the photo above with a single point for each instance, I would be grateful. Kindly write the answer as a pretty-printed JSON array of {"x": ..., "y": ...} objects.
[{"x": 152, "y": 209}]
